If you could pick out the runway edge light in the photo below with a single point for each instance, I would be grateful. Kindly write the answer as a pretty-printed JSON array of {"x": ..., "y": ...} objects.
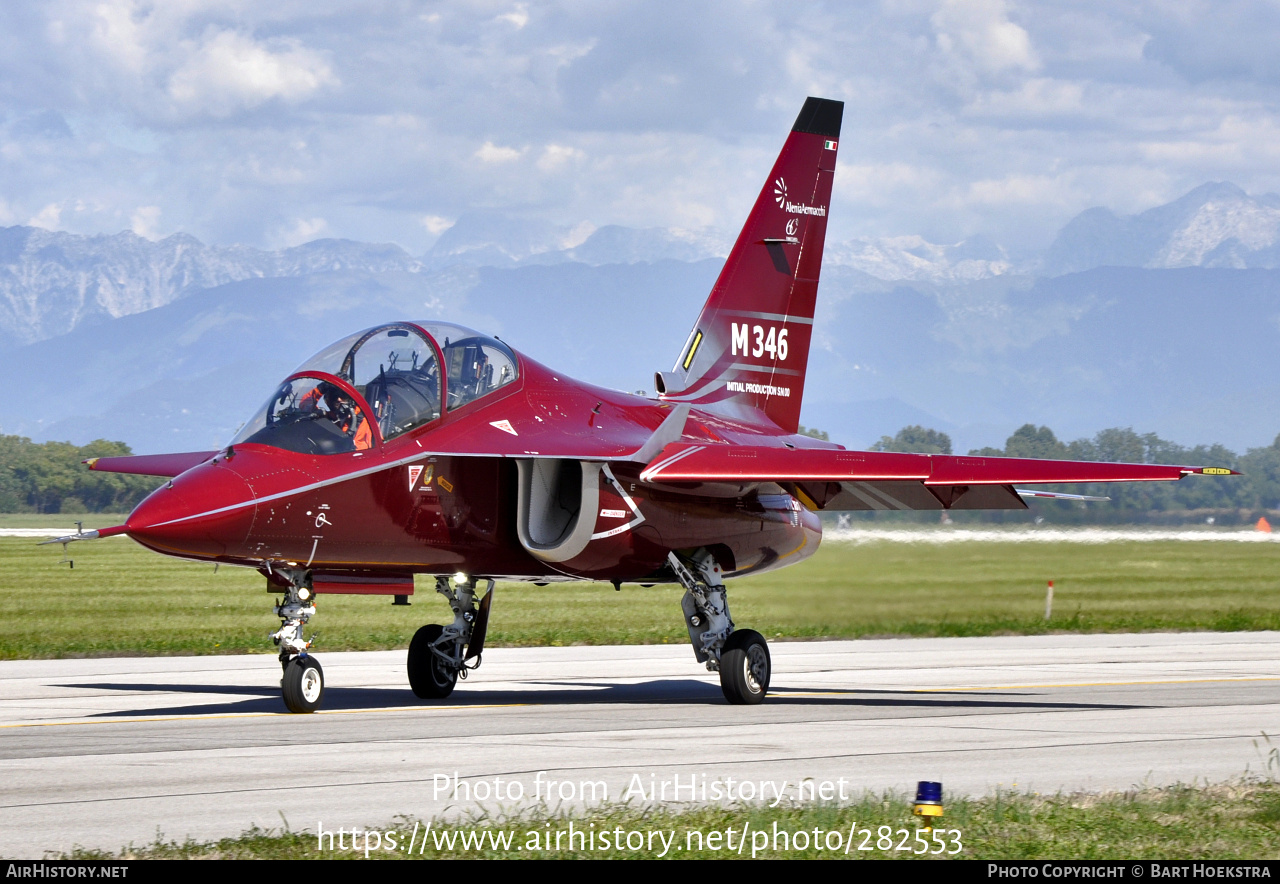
[{"x": 928, "y": 802}]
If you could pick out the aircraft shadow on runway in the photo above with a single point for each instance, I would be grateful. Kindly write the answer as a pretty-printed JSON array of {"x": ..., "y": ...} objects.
[{"x": 266, "y": 699}]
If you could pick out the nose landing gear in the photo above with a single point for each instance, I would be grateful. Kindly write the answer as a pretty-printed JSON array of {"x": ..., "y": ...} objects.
[{"x": 302, "y": 682}]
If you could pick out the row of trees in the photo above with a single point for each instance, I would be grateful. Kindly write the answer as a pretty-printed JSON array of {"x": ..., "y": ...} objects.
[
  {"x": 1229, "y": 499},
  {"x": 49, "y": 478}
]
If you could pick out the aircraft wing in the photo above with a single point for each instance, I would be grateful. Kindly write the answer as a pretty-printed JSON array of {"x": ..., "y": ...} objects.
[
  {"x": 167, "y": 465},
  {"x": 882, "y": 480}
]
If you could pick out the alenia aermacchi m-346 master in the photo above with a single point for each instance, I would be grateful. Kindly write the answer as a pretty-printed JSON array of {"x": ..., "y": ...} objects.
[{"x": 422, "y": 448}]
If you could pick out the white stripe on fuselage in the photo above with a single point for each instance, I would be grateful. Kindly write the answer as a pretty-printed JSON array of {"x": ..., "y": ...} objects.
[{"x": 368, "y": 471}]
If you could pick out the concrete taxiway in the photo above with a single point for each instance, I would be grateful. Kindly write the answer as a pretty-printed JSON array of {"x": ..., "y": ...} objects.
[{"x": 107, "y": 752}]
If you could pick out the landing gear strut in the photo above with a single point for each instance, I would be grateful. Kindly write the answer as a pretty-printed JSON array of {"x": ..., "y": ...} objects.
[
  {"x": 741, "y": 657},
  {"x": 302, "y": 683},
  {"x": 439, "y": 655}
]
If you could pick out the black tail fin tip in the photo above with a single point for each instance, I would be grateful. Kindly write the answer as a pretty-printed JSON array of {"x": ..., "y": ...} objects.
[{"x": 820, "y": 116}]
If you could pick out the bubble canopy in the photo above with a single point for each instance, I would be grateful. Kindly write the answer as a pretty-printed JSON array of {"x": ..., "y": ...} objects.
[{"x": 386, "y": 378}]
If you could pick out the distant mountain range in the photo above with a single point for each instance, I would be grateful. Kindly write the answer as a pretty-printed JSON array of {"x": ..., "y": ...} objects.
[
  {"x": 1215, "y": 225},
  {"x": 1167, "y": 321},
  {"x": 51, "y": 283}
]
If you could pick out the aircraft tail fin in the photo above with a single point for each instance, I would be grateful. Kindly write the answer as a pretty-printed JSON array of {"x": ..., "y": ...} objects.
[{"x": 748, "y": 351}]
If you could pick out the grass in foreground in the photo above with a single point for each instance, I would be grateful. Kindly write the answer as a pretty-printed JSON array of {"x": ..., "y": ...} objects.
[
  {"x": 1238, "y": 821},
  {"x": 60, "y": 520},
  {"x": 121, "y": 599}
]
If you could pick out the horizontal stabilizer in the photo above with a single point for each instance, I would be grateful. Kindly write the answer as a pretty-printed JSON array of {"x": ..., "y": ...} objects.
[
  {"x": 688, "y": 462},
  {"x": 858, "y": 480}
]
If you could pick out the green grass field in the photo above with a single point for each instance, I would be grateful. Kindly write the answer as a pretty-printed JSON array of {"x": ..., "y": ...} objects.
[
  {"x": 122, "y": 600},
  {"x": 1233, "y": 821}
]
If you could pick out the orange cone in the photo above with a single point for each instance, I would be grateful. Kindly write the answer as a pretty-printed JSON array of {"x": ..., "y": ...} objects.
[{"x": 1263, "y": 525}]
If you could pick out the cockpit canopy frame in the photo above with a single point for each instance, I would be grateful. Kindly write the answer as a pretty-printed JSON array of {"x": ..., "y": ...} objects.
[
  {"x": 393, "y": 371},
  {"x": 313, "y": 413}
]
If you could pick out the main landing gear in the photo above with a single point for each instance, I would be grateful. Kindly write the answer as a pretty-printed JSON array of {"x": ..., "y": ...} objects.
[
  {"x": 740, "y": 656},
  {"x": 302, "y": 683},
  {"x": 439, "y": 655}
]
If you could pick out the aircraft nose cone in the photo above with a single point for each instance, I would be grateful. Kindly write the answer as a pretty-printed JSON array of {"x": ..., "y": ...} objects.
[{"x": 204, "y": 513}]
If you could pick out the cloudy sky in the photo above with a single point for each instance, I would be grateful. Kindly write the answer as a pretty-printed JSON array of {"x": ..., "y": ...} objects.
[{"x": 272, "y": 124}]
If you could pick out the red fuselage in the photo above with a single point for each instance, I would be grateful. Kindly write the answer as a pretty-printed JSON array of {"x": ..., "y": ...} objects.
[{"x": 399, "y": 508}]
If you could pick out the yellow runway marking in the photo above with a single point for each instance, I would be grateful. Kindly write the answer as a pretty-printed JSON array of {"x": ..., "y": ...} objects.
[
  {"x": 1100, "y": 684},
  {"x": 780, "y": 694},
  {"x": 1026, "y": 687},
  {"x": 214, "y": 716}
]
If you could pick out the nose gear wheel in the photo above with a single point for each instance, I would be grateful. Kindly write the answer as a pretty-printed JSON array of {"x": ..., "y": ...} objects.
[{"x": 302, "y": 684}]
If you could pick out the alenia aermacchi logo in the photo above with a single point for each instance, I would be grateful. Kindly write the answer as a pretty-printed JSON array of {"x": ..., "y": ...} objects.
[{"x": 780, "y": 197}]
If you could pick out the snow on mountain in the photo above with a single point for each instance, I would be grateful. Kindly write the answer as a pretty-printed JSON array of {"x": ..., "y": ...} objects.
[
  {"x": 490, "y": 239},
  {"x": 915, "y": 259},
  {"x": 1222, "y": 233},
  {"x": 495, "y": 240},
  {"x": 625, "y": 245},
  {"x": 1105, "y": 348},
  {"x": 52, "y": 282},
  {"x": 1214, "y": 225}
]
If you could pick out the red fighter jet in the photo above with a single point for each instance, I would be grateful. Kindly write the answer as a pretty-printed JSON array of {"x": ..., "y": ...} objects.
[{"x": 421, "y": 448}]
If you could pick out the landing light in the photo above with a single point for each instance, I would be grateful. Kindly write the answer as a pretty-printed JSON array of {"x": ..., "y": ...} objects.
[
  {"x": 304, "y": 593},
  {"x": 460, "y": 579}
]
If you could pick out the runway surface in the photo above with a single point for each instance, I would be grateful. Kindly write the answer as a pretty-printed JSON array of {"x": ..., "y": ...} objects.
[{"x": 107, "y": 752}]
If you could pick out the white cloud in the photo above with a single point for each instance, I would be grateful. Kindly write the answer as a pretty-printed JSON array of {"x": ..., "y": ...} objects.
[
  {"x": 302, "y": 230},
  {"x": 859, "y": 185},
  {"x": 435, "y": 224},
  {"x": 980, "y": 31},
  {"x": 518, "y": 17},
  {"x": 556, "y": 155},
  {"x": 578, "y": 235},
  {"x": 48, "y": 218},
  {"x": 1035, "y": 97},
  {"x": 492, "y": 153},
  {"x": 960, "y": 114},
  {"x": 120, "y": 32},
  {"x": 228, "y": 70},
  {"x": 1233, "y": 143},
  {"x": 144, "y": 221},
  {"x": 1016, "y": 189}
]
